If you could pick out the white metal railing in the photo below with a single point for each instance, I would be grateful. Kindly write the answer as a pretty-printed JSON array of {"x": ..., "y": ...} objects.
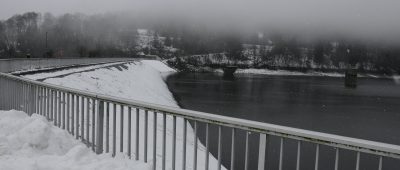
[{"x": 85, "y": 115}]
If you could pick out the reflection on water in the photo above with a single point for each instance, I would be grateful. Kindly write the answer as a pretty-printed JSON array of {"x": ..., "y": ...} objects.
[{"x": 371, "y": 111}]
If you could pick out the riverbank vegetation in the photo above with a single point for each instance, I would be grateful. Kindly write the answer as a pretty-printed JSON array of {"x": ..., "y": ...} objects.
[{"x": 187, "y": 45}]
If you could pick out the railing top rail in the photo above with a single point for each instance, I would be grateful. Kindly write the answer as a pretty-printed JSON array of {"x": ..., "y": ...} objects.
[
  {"x": 67, "y": 58},
  {"x": 377, "y": 148}
]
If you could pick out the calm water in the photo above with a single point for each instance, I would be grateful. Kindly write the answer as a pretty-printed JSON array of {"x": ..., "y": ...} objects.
[{"x": 371, "y": 111}]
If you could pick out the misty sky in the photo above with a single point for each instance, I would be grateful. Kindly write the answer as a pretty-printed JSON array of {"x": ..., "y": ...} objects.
[{"x": 370, "y": 18}]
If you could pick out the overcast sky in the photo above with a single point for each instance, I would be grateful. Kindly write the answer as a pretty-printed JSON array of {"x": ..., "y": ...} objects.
[{"x": 371, "y": 18}]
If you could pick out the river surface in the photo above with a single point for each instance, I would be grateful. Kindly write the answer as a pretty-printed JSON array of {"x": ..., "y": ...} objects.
[{"x": 371, "y": 111}]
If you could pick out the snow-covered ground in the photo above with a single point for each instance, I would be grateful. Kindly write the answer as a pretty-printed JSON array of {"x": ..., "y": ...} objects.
[
  {"x": 33, "y": 143},
  {"x": 144, "y": 81},
  {"x": 310, "y": 73},
  {"x": 285, "y": 72},
  {"x": 396, "y": 79}
]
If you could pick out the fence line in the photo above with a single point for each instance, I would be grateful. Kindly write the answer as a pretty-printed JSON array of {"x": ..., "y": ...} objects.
[{"x": 88, "y": 117}]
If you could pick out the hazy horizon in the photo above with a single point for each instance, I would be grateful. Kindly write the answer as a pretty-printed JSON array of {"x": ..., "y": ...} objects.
[{"x": 362, "y": 19}]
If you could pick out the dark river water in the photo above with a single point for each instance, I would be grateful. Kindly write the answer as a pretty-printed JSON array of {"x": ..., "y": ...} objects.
[{"x": 371, "y": 111}]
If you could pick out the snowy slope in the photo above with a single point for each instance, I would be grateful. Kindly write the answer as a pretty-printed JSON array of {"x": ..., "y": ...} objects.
[
  {"x": 33, "y": 143},
  {"x": 140, "y": 81}
]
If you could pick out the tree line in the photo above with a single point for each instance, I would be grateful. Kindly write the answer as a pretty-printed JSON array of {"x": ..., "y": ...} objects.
[{"x": 115, "y": 35}]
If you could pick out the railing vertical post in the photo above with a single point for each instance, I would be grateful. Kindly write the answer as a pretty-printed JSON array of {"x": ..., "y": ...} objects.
[
  {"x": 233, "y": 149},
  {"x": 31, "y": 99},
  {"x": 129, "y": 131},
  {"x": 43, "y": 109},
  {"x": 99, "y": 132},
  {"x": 68, "y": 110},
  {"x": 137, "y": 134},
  {"x": 17, "y": 90},
  {"x": 261, "y": 151},
  {"x": 219, "y": 147},
  {"x": 8, "y": 103},
  {"x": 48, "y": 103},
  {"x": 93, "y": 123},
  {"x": 14, "y": 89},
  {"x": 72, "y": 114},
  {"x": 281, "y": 154},
  {"x": 4, "y": 89},
  {"x": 114, "y": 129},
  {"x": 25, "y": 100},
  {"x": 82, "y": 119},
  {"x": 22, "y": 105},
  {"x": 51, "y": 105},
  {"x": 358, "y": 161},
  {"x": 246, "y": 154},
  {"x": 28, "y": 99},
  {"x": 195, "y": 146},
  {"x": 87, "y": 119},
  {"x": 121, "y": 129},
  {"x": 64, "y": 105},
  {"x": 206, "y": 153},
  {"x": 108, "y": 128},
  {"x": 55, "y": 108},
  {"x": 60, "y": 100},
  {"x": 7, "y": 90},
  {"x": 11, "y": 89},
  {"x": 164, "y": 141},
  {"x": 155, "y": 141},
  {"x": 298, "y": 155},
  {"x": 174, "y": 142},
  {"x": 39, "y": 99},
  {"x": 146, "y": 128},
  {"x": 77, "y": 118},
  {"x": 43, "y": 102},
  {"x": 380, "y": 163},
  {"x": 36, "y": 98},
  {"x": 184, "y": 144},
  {"x": 337, "y": 159},
  {"x": 26, "y": 96},
  {"x": 317, "y": 157}
]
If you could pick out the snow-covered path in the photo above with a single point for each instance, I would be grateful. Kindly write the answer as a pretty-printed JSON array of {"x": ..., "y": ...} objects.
[{"x": 144, "y": 81}]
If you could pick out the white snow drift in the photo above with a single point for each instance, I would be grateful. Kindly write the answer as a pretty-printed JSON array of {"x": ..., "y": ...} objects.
[{"x": 33, "y": 143}]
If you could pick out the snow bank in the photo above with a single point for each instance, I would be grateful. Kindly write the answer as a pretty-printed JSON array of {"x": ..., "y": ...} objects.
[
  {"x": 396, "y": 79},
  {"x": 286, "y": 73},
  {"x": 140, "y": 81},
  {"x": 33, "y": 143},
  {"x": 157, "y": 65}
]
